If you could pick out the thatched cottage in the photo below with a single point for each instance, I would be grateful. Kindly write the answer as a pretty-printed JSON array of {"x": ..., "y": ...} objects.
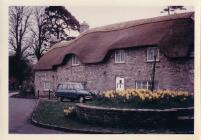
[{"x": 122, "y": 55}]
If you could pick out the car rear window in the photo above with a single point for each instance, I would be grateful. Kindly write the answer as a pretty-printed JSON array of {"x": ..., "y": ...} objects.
[
  {"x": 70, "y": 86},
  {"x": 78, "y": 86}
]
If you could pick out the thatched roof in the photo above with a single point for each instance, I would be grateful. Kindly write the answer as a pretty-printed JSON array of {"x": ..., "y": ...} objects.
[{"x": 173, "y": 34}]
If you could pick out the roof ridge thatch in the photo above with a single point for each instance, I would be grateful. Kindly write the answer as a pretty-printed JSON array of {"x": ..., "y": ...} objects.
[
  {"x": 91, "y": 46},
  {"x": 60, "y": 44},
  {"x": 98, "y": 29},
  {"x": 146, "y": 21}
]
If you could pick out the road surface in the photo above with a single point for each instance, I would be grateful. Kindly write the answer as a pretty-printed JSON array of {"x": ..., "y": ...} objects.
[{"x": 20, "y": 111}]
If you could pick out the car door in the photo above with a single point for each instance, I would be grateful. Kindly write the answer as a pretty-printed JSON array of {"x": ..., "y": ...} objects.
[{"x": 72, "y": 91}]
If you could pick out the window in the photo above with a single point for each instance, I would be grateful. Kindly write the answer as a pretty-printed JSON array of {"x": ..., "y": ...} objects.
[
  {"x": 120, "y": 56},
  {"x": 70, "y": 85},
  {"x": 151, "y": 53},
  {"x": 75, "y": 61},
  {"x": 46, "y": 85},
  {"x": 146, "y": 85}
]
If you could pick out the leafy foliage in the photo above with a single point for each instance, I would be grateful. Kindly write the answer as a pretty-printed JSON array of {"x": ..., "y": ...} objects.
[
  {"x": 59, "y": 20},
  {"x": 170, "y": 9},
  {"x": 20, "y": 69},
  {"x": 53, "y": 24}
]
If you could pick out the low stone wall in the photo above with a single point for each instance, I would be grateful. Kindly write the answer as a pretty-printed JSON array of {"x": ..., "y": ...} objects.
[{"x": 128, "y": 117}]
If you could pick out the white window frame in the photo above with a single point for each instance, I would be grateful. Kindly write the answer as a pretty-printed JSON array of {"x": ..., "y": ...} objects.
[
  {"x": 46, "y": 85},
  {"x": 119, "y": 55},
  {"x": 148, "y": 53},
  {"x": 140, "y": 85},
  {"x": 75, "y": 61}
]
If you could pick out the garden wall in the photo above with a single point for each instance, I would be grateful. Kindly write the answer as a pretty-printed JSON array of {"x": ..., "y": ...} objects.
[{"x": 130, "y": 117}]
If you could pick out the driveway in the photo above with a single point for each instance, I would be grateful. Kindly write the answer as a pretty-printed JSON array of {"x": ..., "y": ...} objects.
[{"x": 20, "y": 111}]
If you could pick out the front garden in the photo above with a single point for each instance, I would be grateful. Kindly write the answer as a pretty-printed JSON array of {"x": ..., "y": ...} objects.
[
  {"x": 50, "y": 114},
  {"x": 133, "y": 106}
]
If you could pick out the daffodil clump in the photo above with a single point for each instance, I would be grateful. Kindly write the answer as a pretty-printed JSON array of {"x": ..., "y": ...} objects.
[
  {"x": 140, "y": 98},
  {"x": 68, "y": 110},
  {"x": 145, "y": 94}
]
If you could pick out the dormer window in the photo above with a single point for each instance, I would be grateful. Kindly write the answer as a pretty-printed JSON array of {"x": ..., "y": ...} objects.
[
  {"x": 120, "y": 56},
  {"x": 75, "y": 61},
  {"x": 151, "y": 53}
]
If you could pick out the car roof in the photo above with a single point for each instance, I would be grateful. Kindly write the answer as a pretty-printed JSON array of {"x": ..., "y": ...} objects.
[{"x": 67, "y": 83}]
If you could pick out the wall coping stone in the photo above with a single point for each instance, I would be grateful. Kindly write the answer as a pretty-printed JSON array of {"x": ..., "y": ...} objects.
[{"x": 127, "y": 109}]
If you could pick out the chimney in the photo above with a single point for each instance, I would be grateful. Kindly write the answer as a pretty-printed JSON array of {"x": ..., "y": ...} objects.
[{"x": 84, "y": 26}]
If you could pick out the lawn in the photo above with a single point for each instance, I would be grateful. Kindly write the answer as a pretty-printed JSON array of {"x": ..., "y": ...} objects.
[{"x": 51, "y": 112}]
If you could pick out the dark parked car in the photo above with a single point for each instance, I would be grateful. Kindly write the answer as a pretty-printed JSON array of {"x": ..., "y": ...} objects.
[{"x": 73, "y": 91}]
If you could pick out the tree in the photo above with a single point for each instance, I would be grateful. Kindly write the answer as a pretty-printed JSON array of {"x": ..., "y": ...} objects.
[
  {"x": 59, "y": 21},
  {"x": 19, "y": 23},
  {"x": 170, "y": 9},
  {"x": 50, "y": 26},
  {"x": 25, "y": 71},
  {"x": 39, "y": 34},
  {"x": 18, "y": 30}
]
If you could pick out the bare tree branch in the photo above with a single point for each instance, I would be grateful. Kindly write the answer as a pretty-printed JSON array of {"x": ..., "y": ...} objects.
[{"x": 19, "y": 19}]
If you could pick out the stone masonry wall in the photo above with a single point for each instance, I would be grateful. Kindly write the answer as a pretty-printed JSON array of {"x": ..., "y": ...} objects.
[
  {"x": 137, "y": 117},
  {"x": 171, "y": 74}
]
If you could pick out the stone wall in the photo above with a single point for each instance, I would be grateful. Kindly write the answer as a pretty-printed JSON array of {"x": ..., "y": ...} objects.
[
  {"x": 174, "y": 74},
  {"x": 130, "y": 117}
]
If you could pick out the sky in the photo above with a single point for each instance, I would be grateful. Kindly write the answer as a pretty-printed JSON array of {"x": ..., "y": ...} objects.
[{"x": 97, "y": 16}]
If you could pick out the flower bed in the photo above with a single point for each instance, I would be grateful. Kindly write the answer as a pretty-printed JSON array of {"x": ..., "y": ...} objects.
[
  {"x": 58, "y": 115},
  {"x": 132, "y": 98},
  {"x": 137, "y": 108}
]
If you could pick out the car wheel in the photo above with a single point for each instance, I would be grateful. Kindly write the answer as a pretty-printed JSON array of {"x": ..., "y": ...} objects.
[{"x": 81, "y": 99}]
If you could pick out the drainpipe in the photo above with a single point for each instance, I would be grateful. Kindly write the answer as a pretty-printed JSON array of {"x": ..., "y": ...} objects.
[{"x": 153, "y": 74}]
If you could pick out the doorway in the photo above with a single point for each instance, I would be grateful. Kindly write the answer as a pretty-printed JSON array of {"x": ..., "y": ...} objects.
[{"x": 119, "y": 83}]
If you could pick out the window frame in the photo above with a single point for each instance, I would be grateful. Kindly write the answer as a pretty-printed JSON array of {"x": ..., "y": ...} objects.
[
  {"x": 122, "y": 54},
  {"x": 75, "y": 61},
  {"x": 157, "y": 57},
  {"x": 140, "y": 84},
  {"x": 45, "y": 87}
]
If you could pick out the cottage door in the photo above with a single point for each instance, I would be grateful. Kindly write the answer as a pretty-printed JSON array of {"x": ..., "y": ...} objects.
[{"x": 119, "y": 84}]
